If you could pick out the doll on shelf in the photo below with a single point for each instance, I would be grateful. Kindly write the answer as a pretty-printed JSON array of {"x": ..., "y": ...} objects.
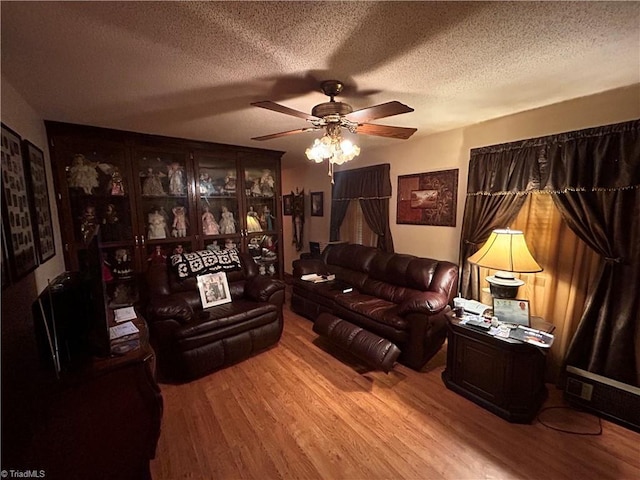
[
  {"x": 123, "y": 269},
  {"x": 230, "y": 182},
  {"x": 267, "y": 183},
  {"x": 253, "y": 224},
  {"x": 229, "y": 244},
  {"x": 157, "y": 226},
  {"x": 178, "y": 249},
  {"x": 209, "y": 224},
  {"x": 111, "y": 226},
  {"x": 152, "y": 185},
  {"x": 116, "y": 186},
  {"x": 256, "y": 191},
  {"x": 158, "y": 256},
  {"x": 83, "y": 174},
  {"x": 227, "y": 223},
  {"x": 107, "y": 276},
  {"x": 206, "y": 184},
  {"x": 266, "y": 219},
  {"x": 180, "y": 221},
  {"x": 176, "y": 178},
  {"x": 88, "y": 222}
]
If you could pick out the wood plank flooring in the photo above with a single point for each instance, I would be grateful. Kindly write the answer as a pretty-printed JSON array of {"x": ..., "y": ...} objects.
[{"x": 304, "y": 410}]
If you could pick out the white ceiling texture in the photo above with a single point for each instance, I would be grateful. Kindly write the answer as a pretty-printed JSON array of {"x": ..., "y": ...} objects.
[{"x": 191, "y": 69}]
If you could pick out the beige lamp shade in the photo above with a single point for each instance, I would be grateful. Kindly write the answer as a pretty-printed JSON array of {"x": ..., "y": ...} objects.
[{"x": 506, "y": 250}]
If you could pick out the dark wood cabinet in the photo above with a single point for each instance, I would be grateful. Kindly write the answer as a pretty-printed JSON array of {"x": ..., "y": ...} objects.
[
  {"x": 504, "y": 376},
  {"x": 153, "y": 195},
  {"x": 101, "y": 419}
]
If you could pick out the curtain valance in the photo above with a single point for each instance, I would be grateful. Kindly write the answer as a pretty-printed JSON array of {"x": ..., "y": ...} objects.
[
  {"x": 367, "y": 182},
  {"x": 594, "y": 159}
]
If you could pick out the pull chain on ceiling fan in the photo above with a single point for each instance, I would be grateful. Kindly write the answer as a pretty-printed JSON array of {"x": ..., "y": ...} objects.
[{"x": 334, "y": 116}]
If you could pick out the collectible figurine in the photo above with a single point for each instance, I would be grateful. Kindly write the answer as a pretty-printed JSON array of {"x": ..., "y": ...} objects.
[
  {"x": 123, "y": 269},
  {"x": 116, "y": 186},
  {"x": 178, "y": 250},
  {"x": 253, "y": 225},
  {"x": 206, "y": 184},
  {"x": 176, "y": 178},
  {"x": 180, "y": 221},
  {"x": 230, "y": 182},
  {"x": 209, "y": 224},
  {"x": 83, "y": 174},
  {"x": 158, "y": 256},
  {"x": 214, "y": 247},
  {"x": 266, "y": 219},
  {"x": 111, "y": 226},
  {"x": 227, "y": 223},
  {"x": 152, "y": 185},
  {"x": 256, "y": 191},
  {"x": 107, "y": 276},
  {"x": 267, "y": 183},
  {"x": 229, "y": 244},
  {"x": 88, "y": 222},
  {"x": 157, "y": 226}
]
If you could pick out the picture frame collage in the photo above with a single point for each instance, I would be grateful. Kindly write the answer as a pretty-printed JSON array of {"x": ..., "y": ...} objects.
[{"x": 27, "y": 225}]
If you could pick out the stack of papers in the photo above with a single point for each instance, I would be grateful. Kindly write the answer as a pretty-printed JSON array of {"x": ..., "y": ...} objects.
[
  {"x": 315, "y": 278},
  {"x": 122, "y": 330},
  {"x": 124, "y": 314}
]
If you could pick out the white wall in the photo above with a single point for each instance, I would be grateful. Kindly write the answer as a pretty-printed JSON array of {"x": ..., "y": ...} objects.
[
  {"x": 449, "y": 150},
  {"x": 25, "y": 121}
]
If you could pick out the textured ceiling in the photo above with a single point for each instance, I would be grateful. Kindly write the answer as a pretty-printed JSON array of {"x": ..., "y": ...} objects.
[{"x": 191, "y": 69}]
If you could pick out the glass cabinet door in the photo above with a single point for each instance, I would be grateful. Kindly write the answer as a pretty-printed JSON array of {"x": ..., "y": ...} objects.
[
  {"x": 218, "y": 190},
  {"x": 166, "y": 222},
  {"x": 261, "y": 222},
  {"x": 100, "y": 194}
]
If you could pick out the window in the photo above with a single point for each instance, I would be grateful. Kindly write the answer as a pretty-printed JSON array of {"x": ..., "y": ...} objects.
[{"x": 354, "y": 228}]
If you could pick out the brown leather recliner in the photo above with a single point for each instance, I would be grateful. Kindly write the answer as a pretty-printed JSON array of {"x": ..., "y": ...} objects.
[{"x": 191, "y": 341}]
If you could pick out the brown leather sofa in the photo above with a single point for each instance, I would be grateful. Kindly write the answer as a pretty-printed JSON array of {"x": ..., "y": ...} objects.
[
  {"x": 191, "y": 342},
  {"x": 401, "y": 298}
]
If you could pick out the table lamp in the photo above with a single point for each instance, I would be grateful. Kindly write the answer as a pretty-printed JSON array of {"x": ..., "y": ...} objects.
[{"x": 506, "y": 251}]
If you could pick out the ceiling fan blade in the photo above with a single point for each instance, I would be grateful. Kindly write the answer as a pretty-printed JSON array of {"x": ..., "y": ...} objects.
[
  {"x": 276, "y": 107},
  {"x": 386, "y": 131},
  {"x": 379, "y": 111},
  {"x": 284, "y": 134}
]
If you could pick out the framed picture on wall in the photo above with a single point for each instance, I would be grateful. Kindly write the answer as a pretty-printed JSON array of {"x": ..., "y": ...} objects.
[
  {"x": 287, "y": 204},
  {"x": 428, "y": 198},
  {"x": 20, "y": 238},
  {"x": 41, "y": 211},
  {"x": 317, "y": 204}
]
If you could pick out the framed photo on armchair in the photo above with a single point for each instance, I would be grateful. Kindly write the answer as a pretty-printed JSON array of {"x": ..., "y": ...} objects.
[{"x": 214, "y": 289}]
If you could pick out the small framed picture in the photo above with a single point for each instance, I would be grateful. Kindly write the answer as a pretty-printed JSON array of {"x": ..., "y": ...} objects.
[
  {"x": 287, "y": 204},
  {"x": 512, "y": 310},
  {"x": 214, "y": 289},
  {"x": 317, "y": 204}
]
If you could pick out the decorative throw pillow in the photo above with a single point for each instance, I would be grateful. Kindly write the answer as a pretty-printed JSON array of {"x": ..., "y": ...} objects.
[{"x": 206, "y": 261}]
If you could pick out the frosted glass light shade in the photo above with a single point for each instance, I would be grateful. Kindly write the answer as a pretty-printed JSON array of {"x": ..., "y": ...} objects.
[{"x": 506, "y": 250}]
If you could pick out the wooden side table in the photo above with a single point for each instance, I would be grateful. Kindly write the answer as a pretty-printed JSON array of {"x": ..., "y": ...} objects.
[{"x": 505, "y": 376}]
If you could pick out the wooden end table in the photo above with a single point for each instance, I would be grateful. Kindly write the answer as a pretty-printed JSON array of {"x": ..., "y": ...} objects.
[{"x": 505, "y": 376}]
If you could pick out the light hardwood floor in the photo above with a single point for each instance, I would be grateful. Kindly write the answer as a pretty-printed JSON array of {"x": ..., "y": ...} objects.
[{"x": 303, "y": 410}]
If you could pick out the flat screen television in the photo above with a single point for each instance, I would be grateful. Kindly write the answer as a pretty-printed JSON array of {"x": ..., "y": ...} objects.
[{"x": 70, "y": 315}]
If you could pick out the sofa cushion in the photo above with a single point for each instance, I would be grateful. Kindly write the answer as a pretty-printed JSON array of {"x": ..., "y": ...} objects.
[
  {"x": 378, "y": 309},
  {"x": 205, "y": 261},
  {"x": 220, "y": 316}
]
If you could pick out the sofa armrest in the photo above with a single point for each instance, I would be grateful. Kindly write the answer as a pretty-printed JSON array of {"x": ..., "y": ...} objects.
[
  {"x": 427, "y": 302},
  {"x": 309, "y": 265},
  {"x": 169, "y": 307},
  {"x": 261, "y": 288}
]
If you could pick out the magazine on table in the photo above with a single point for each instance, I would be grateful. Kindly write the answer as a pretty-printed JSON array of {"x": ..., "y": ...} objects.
[{"x": 532, "y": 336}]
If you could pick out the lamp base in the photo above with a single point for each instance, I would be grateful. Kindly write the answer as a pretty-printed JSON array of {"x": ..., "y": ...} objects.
[{"x": 503, "y": 291}]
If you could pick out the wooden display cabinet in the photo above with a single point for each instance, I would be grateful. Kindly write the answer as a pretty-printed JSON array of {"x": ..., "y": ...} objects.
[{"x": 153, "y": 196}]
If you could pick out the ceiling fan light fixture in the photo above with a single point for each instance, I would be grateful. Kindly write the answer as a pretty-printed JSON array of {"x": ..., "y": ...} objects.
[{"x": 333, "y": 148}]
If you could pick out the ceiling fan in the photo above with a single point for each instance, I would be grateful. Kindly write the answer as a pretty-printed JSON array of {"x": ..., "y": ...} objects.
[{"x": 333, "y": 116}]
